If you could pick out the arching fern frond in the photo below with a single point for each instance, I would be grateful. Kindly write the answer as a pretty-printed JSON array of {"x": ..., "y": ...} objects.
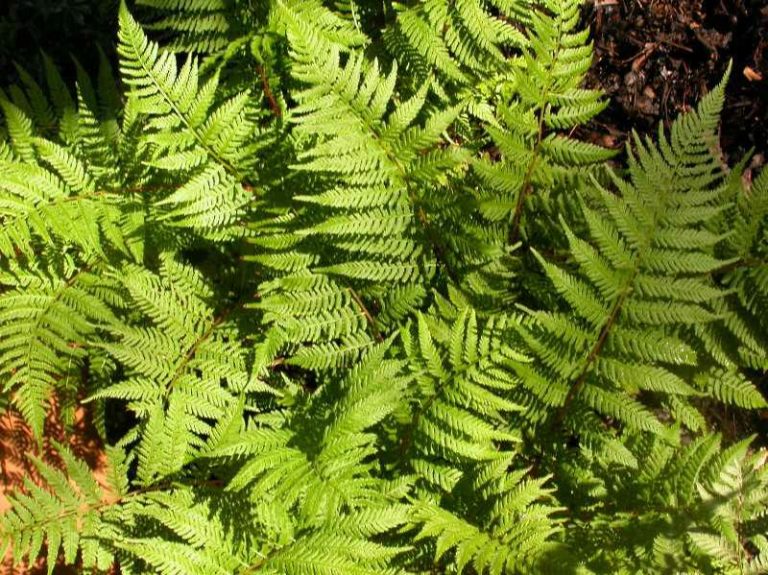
[
  {"x": 646, "y": 271},
  {"x": 321, "y": 485},
  {"x": 184, "y": 363}
]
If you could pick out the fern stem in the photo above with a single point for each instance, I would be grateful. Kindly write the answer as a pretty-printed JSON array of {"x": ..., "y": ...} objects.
[
  {"x": 525, "y": 190},
  {"x": 368, "y": 316},
  {"x": 594, "y": 352},
  {"x": 273, "y": 105}
]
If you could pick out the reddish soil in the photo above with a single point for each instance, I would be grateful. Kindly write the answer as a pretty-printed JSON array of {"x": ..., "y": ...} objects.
[{"x": 17, "y": 442}]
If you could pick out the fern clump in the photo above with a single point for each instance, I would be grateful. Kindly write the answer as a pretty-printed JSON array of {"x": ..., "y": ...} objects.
[{"x": 367, "y": 306}]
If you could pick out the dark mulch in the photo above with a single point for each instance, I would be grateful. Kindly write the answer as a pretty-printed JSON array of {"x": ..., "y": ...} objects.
[{"x": 655, "y": 58}]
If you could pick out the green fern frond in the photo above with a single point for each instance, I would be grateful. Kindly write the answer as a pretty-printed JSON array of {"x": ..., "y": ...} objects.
[
  {"x": 328, "y": 28},
  {"x": 633, "y": 278},
  {"x": 327, "y": 473},
  {"x": 175, "y": 99},
  {"x": 48, "y": 317},
  {"x": 458, "y": 412},
  {"x": 542, "y": 100},
  {"x": 185, "y": 367},
  {"x": 698, "y": 507},
  {"x": 364, "y": 151},
  {"x": 457, "y": 40},
  {"x": 747, "y": 277},
  {"x": 198, "y": 26}
]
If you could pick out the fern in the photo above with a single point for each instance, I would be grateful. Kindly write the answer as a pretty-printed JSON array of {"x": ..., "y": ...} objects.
[
  {"x": 646, "y": 272},
  {"x": 177, "y": 366},
  {"x": 472, "y": 501},
  {"x": 190, "y": 133},
  {"x": 48, "y": 315},
  {"x": 690, "y": 509},
  {"x": 348, "y": 295},
  {"x": 460, "y": 41},
  {"x": 199, "y": 25},
  {"x": 541, "y": 100},
  {"x": 71, "y": 513},
  {"x": 372, "y": 164}
]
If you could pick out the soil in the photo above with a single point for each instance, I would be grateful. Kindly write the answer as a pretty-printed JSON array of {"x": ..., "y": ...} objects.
[
  {"x": 656, "y": 58},
  {"x": 16, "y": 445}
]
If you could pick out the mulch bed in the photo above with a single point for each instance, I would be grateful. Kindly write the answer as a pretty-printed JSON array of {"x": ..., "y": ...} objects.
[{"x": 655, "y": 58}]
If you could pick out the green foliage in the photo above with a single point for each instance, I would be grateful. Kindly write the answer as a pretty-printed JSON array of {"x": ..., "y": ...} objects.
[
  {"x": 642, "y": 288},
  {"x": 372, "y": 308}
]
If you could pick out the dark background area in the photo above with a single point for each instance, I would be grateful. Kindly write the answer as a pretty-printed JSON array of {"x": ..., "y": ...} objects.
[
  {"x": 61, "y": 28},
  {"x": 655, "y": 58}
]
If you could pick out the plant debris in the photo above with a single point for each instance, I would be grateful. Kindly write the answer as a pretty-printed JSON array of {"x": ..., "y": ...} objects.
[{"x": 655, "y": 58}]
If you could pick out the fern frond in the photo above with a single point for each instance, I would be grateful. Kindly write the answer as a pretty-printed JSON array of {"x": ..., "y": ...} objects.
[
  {"x": 328, "y": 473},
  {"x": 175, "y": 99},
  {"x": 458, "y": 411},
  {"x": 460, "y": 41},
  {"x": 632, "y": 278},
  {"x": 542, "y": 100},
  {"x": 495, "y": 552},
  {"x": 48, "y": 317},
  {"x": 198, "y": 26},
  {"x": 185, "y": 367},
  {"x": 694, "y": 507},
  {"x": 363, "y": 151}
]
